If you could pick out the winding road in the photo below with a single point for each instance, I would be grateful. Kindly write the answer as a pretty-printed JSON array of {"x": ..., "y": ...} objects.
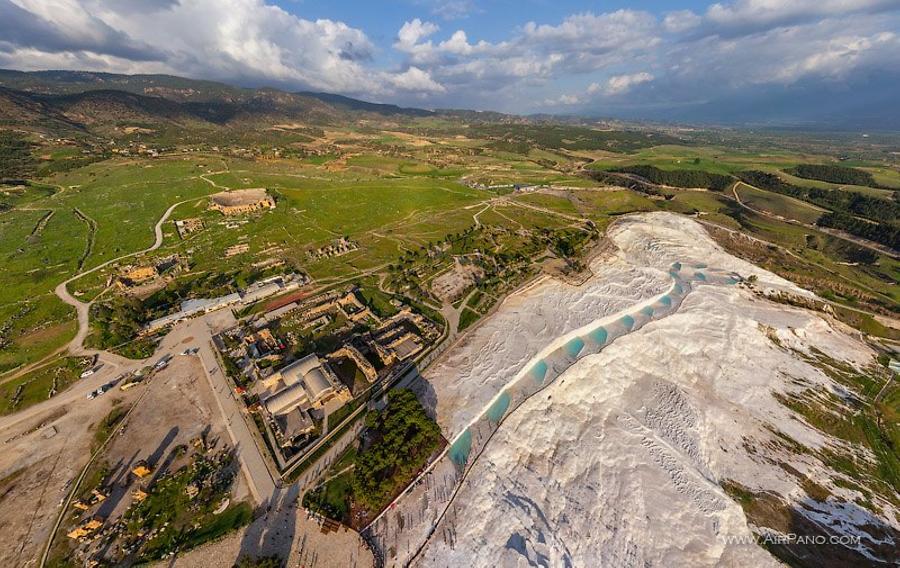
[{"x": 76, "y": 346}]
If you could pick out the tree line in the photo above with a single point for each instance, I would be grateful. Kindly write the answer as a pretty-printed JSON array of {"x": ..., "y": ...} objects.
[
  {"x": 16, "y": 161},
  {"x": 847, "y": 202},
  {"x": 679, "y": 178},
  {"x": 834, "y": 174},
  {"x": 883, "y": 233}
]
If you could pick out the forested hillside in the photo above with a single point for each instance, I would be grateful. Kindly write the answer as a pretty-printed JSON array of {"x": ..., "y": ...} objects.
[
  {"x": 833, "y": 174},
  {"x": 679, "y": 178},
  {"x": 847, "y": 207}
]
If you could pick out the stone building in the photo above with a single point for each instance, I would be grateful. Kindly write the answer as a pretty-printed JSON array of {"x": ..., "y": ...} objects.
[{"x": 240, "y": 201}]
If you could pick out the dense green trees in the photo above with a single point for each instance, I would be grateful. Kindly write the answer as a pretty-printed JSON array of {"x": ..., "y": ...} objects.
[
  {"x": 116, "y": 322},
  {"x": 883, "y": 233},
  {"x": 402, "y": 438},
  {"x": 679, "y": 178},
  {"x": 16, "y": 161},
  {"x": 621, "y": 180},
  {"x": 847, "y": 202},
  {"x": 833, "y": 174}
]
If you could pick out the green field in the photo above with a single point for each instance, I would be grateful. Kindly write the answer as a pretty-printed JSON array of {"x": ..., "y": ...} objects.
[
  {"x": 778, "y": 204},
  {"x": 727, "y": 161},
  {"x": 39, "y": 385},
  {"x": 388, "y": 192}
]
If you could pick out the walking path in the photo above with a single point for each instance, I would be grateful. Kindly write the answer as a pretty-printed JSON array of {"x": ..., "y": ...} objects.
[{"x": 399, "y": 535}]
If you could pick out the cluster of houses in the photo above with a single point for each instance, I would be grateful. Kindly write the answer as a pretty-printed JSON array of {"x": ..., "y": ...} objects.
[{"x": 295, "y": 395}]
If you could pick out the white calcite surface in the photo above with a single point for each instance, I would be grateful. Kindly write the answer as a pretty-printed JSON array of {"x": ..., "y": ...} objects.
[
  {"x": 475, "y": 370},
  {"x": 537, "y": 319},
  {"x": 619, "y": 461}
]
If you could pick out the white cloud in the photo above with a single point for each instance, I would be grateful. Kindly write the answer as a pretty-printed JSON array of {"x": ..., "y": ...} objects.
[
  {"x": 681, "y": 21},
  {"x": 838, "y": 56},
  {"x": 232, "y": 40},
  {"x": 563, "y": 100},
  {"x": 588, "y": 40},
  {"x": 411, "y": 33},
  {"x": 613, "y": 86},
  {"x": 621, "y": 84},
  {"x": 780, "y": 12},
  {"x": 416, "y": 80},
  {"x": 730, "y": 47},
  {"x": 453, "y": 9},
  {"x": 458, "y": 44}
]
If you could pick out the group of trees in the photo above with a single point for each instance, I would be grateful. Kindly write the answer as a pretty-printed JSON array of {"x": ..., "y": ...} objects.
[
  {"x": 679, "y": 178},
  {"x": 620, "y": 180},
  {"x": 833, "y": 174},
  {"x": 402, "y": 438},
  {"x": 16, "y": 161},
  {"x": 884, "y": 233},
  {"x": 116, "y": 322},
  {"x": 846, "y": 207}
]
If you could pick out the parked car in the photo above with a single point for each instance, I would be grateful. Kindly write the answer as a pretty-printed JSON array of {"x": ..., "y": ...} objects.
[{"x": 163, "y": 362}]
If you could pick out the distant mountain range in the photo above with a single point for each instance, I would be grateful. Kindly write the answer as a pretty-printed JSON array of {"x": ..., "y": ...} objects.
[
  {"x": 68, "y": 102},
  {"x": 72, "y": 102}
]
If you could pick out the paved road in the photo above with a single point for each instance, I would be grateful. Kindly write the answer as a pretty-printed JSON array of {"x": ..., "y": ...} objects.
[{"x": 198, "y": 333}]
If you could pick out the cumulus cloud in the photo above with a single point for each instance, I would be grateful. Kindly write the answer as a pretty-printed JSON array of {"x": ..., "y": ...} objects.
[
  {"x": 688, "y": 56},
  {"x": 413, "y": 32},
  {"x": 58, "y": 26},
  {"x": 784, "y": 12},
  {"x": 620, "y": 84},
  {"x": 416, "y": 80},
  {"x": 234, "y": 40},
  {"x": 537, "y": 53},
  {"x": 613, "y": 86},
  {"x": 725, "y": 50}
]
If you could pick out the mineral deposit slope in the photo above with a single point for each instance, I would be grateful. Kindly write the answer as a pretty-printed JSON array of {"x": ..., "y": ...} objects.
[{"x": 620, "y": 460}]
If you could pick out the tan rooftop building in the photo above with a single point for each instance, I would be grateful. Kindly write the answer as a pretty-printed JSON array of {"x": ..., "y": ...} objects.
[
  {"x": 138, "y": 274},
  {"x": 141, "y": 469},
  {"x": 240, "y": 201},
  {"x": 307, "y": 382},
  {"x": 86, "y": 529}
]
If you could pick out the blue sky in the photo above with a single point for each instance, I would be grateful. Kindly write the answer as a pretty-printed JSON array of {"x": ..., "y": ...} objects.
[{"x": 753, "y": 60}]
